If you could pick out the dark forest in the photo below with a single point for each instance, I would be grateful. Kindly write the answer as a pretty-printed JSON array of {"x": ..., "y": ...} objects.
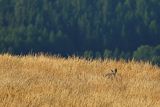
[{"x": 91, "y": 28}]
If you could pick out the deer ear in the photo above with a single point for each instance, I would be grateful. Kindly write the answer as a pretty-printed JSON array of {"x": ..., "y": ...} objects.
[{"x": 115, "y": 70}]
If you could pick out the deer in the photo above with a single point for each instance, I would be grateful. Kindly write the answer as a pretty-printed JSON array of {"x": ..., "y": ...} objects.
[{"x": 112, "y": 74}]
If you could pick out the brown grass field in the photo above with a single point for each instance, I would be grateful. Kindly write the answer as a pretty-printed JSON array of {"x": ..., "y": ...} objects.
[{"x": 49, "y": 81}]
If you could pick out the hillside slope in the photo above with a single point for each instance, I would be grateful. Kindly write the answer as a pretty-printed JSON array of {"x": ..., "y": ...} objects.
[{"x": 45, "y": 81}]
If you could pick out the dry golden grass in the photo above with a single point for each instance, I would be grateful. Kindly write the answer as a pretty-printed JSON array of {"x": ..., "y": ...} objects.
[{"x": 45, "y": 81}]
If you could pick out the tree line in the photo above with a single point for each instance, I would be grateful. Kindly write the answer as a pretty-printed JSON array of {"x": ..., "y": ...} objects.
[
  {"x": 75, "y": 26},
  {"x": 142, "y": 53}
]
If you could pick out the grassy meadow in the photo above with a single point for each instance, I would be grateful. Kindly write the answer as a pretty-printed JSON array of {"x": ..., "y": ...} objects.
[{"x": 50, "y": 81}]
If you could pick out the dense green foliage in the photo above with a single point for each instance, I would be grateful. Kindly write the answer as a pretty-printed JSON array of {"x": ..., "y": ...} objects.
[
  {"x": 148, "y": 53},
  {"x": 143, "y": 53},
  {"x": 71, "y": 27}
]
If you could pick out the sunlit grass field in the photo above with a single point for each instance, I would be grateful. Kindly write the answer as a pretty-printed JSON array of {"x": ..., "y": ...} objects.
[{"x": 49, "y": 81}]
